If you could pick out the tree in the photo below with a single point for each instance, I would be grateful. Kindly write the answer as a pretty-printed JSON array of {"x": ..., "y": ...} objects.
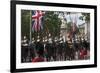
[
  {"x": 85, "y": 16},
  {"x": 52, "y": 24},
  {"x": 25, "y": 23}
]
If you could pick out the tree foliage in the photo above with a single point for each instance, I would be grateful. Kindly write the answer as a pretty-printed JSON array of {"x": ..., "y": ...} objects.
[
  {"x": 25, "y": 23},
  {"x": 85, "y": 16},
  {"x": 52, "y": 23}
]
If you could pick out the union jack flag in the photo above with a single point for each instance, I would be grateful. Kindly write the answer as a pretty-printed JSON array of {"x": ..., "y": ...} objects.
[{"x": 37, "y": 17}]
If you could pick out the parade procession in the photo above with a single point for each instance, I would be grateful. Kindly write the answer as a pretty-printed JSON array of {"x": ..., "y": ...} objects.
[{"x": 48, "y": 36}]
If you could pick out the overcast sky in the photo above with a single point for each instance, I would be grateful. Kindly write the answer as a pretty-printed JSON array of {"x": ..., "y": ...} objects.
[{"x": 73, "y": 17}]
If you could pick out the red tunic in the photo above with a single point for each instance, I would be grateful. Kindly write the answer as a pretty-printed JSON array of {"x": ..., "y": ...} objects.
[
  {"x": 83, "y": 53},
  {"x": 38, "y": 59}
]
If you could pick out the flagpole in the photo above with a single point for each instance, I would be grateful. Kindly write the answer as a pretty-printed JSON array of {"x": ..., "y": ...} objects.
[
  {"x": 29, "y": 58},
  {"x": 30, "y": 27}
]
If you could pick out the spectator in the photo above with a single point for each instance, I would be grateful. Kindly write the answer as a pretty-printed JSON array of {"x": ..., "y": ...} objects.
[{"x": 40, "y": 53}]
